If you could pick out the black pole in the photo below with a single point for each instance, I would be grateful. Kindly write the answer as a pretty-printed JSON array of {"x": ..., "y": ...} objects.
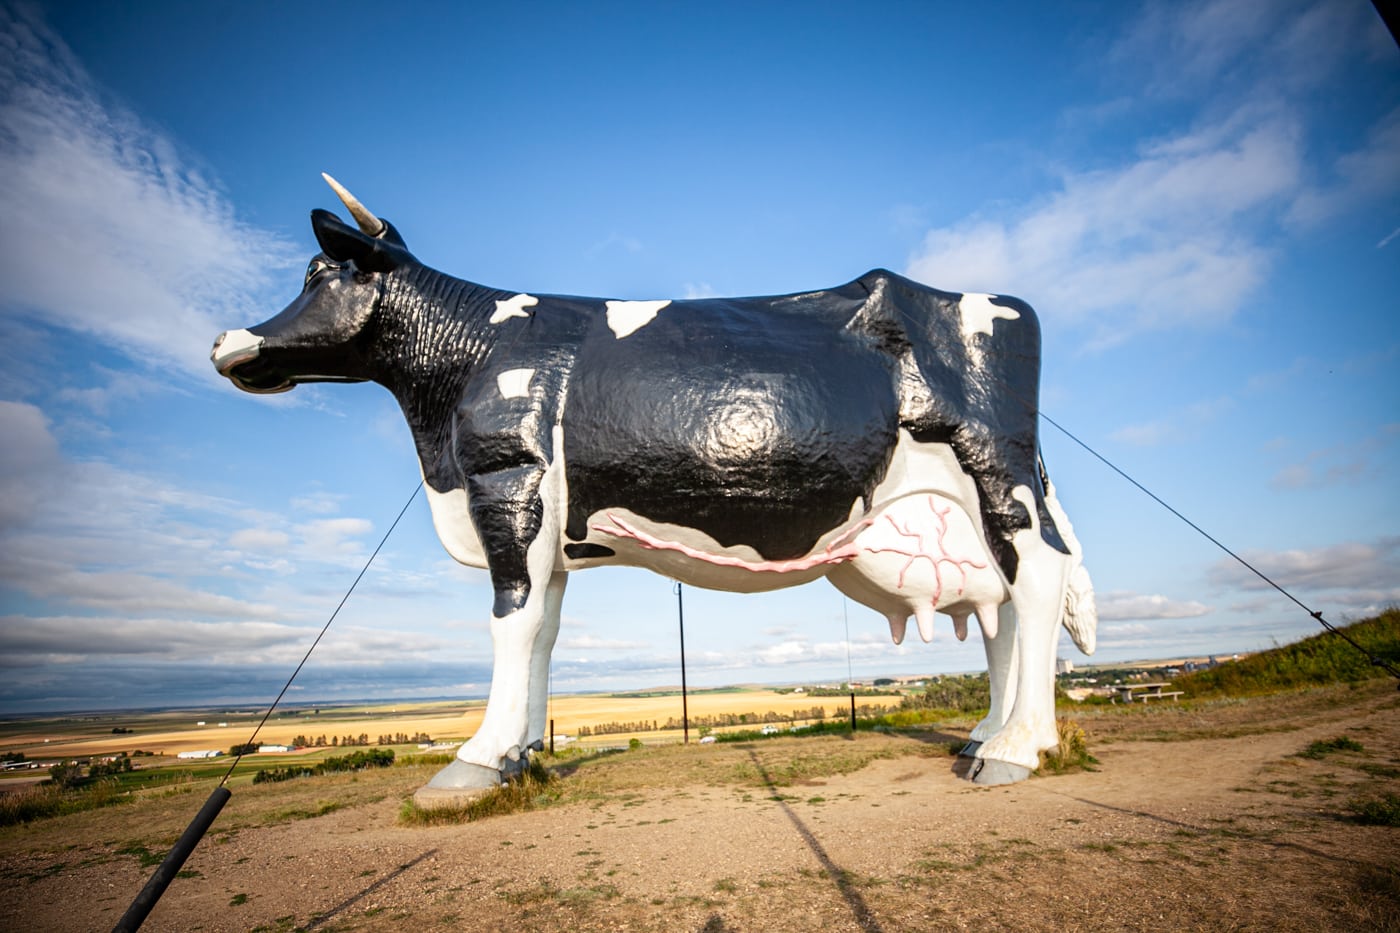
[
  {"x": 685, "y": 706},
  {"x": 853, "y": 713},
  {"x": 551, "y": 736},
  {"x": 136, "y": 914}
]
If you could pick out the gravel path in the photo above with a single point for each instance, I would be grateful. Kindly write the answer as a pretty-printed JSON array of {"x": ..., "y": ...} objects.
[{"x": 1206, "y": 833}]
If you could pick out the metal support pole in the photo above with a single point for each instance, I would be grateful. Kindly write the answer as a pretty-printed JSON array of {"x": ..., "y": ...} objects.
[
  {"x": 685, "y": 706},
  {"x": 551, "y": 736},
  {"x": 853, "y": 714},
  {"x": 145, "y": 901}
]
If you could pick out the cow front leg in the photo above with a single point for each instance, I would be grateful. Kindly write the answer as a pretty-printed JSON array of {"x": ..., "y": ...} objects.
[
  {"x": 1038, "y": 597},
  {"x": 524, "y": 624},
  {"x": 514, "y": 707}
]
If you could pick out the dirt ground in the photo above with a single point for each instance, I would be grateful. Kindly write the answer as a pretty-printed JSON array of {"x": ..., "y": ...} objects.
[{"x": 1198, "y": 818}]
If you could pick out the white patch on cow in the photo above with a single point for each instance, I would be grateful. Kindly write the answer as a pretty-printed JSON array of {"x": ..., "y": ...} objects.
[
  {"x": 513, "y": 307},
  {"x": 515, "y": 383},
  {"x": 978, "y": 314},
  {"x": 628, "y": 317},
  {"x": 917, "y": 467},
  {"x": 452, "y": 520},
  {"x": 234, "y": 347}
]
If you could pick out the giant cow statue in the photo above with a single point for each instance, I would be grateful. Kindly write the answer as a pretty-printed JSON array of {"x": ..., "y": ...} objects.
[{"x": 881, "y": 434}]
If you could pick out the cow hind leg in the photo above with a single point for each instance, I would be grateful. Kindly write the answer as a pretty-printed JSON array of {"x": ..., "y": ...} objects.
[
  {"x": 1038, "y": 596},
  {"x": 538, "y": 713},
  {"x": 999, "y": 640}
]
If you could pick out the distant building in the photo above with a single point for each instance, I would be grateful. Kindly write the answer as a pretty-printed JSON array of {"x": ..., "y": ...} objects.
[
  {"x": 211, "y": 753},
  {"x": 274, "y": 748},
  {"x": 1064, "y": 666}
]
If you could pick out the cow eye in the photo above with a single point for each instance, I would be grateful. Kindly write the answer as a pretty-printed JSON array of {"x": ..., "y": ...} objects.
[{"x": 315, "y": 269}]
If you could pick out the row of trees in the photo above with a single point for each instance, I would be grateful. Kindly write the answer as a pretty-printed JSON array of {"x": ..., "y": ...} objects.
[
  {"x": 403, "y": 738},
  {"x": 336, "y": 741},
  {"x": 350, "y": 741},
  {"x": 718, "y": 720}
]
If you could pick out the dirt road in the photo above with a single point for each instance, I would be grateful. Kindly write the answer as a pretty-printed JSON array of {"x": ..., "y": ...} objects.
[{"x": 1196, "y": 819}]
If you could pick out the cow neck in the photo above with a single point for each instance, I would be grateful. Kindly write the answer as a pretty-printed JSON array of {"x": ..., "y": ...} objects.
[{"x": 433, "y": 336}]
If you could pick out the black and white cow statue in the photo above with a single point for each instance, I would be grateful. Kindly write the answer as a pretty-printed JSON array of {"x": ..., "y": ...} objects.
[{"x": 881, "y": 434}]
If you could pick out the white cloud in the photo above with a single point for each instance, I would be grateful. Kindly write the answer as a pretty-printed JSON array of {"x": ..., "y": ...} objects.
[
  {"x": 1339, "y": 464},
  {"x": 74, "y": 638},
  {"x": 28, "y": 457},
  {"x": 594, "y": 643},
  {"x": 260, "y": 540},
  {"x": 698, "y": 290},
  {"x": 1189, "y": 48},
  {"x": 1178, "y": 426},
  {"x": 318, "y": 503},
  {"x": 1183, "y": 230},
  {"x": 1368, "y": 172},
  {"x": 122, "y": 239},
  {"x": 1372, "y": 567},
  {"x": 334, "y": 536},
  {"x": 1161, "y": 241},
  {"x": 1122, "y": 606}
]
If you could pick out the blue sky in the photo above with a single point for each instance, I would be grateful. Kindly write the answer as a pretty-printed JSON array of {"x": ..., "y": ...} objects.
[{"x": 1202, "y": 201}]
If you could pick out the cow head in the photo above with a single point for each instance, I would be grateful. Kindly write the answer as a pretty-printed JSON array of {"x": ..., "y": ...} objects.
[{"x": 325, "y": 334}]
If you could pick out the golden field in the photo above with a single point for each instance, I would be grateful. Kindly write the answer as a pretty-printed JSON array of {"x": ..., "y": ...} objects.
[{"x": 168, "y": 733}]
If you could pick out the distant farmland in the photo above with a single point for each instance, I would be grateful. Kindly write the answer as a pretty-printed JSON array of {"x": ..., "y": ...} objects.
[{"x": 170, "y": 733}]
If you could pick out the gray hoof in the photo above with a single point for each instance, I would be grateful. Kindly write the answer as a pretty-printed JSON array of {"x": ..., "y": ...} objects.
[
  {"x": 513, "y": 768},
  {"x": 456, "y": 784},
  {"x": 989, "y": 772},
  {"x": 970, "y": 749}
]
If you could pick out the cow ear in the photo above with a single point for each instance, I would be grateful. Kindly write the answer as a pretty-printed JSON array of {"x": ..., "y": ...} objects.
[{"x": 344, "y": 243}]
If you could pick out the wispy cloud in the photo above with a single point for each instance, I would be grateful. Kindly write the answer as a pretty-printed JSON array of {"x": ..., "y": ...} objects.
[
  {"x": 698, "y": 290},
  {"x": 123, "y": 238},
  {"x": 1339, "y": 464},
  {"x": 1182, "y": 231},
  {"x": 1178, "y": 426},
  {"x": 1373, "y": 567},
  {"x": 1123, "y": 607},
  {"x": 594, "y": 643},
  {"x": 1162, "y": 241}
]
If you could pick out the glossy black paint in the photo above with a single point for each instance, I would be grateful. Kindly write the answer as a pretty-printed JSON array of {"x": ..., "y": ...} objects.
[{"x": 759, "y": 421}]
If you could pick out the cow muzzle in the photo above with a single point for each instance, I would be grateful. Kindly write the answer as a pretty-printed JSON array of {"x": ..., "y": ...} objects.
[{"x": 235, "y": 356}]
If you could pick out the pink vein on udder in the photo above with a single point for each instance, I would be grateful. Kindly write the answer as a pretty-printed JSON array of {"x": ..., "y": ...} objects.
[
  {"x": 942, "y": 557},
  {"x": 838, "y": 551}
]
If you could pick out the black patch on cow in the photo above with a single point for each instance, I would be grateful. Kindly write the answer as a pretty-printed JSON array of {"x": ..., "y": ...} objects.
[
  {"x": 759, "y": 422},
  {"x": 586, "y": 550}
]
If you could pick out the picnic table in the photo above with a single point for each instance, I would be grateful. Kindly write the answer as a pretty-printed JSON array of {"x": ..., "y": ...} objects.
[{"x": 1141, "y": 692}]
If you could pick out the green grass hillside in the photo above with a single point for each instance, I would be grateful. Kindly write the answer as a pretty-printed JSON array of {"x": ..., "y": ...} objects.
[{"x": 1322, "y": 659}]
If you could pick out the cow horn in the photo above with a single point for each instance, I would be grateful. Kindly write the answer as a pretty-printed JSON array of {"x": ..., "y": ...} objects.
[{"x": 369, "y": 223}]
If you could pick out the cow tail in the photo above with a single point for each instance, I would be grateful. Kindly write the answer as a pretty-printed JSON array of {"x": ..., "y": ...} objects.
[{"x": 1081, "y": 615}]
